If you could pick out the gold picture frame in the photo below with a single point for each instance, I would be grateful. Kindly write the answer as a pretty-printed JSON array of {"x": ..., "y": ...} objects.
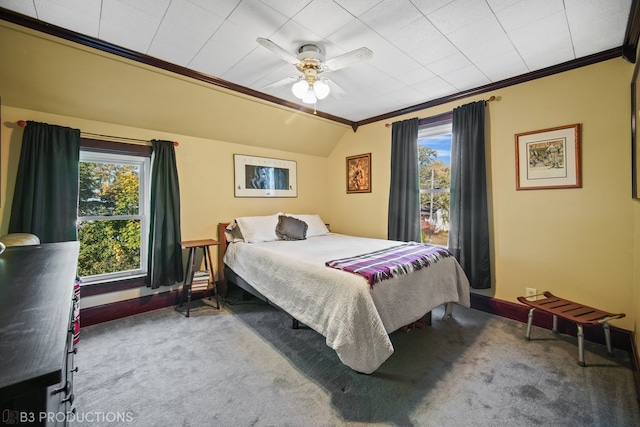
[
  {"x": 359, "y": 173},
  {"x": 548, "y": 158}
]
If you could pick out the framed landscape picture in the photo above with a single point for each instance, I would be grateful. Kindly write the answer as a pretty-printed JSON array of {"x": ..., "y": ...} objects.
[
  {"x": 548, "y": 158},
  {"x": 359, "y": 173}
]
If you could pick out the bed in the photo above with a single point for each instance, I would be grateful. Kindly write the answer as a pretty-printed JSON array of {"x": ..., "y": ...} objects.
[{"x": 354, "y": 315}]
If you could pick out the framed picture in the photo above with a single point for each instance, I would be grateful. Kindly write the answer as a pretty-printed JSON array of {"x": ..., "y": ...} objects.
[
  {"x": 359, "y": 173},
  {"x": 548, "y": 158},
  {"x": 264, "y": 177}
]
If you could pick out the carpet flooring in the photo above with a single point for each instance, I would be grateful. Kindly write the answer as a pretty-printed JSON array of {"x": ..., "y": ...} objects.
[{"x": 243, "y": 365}]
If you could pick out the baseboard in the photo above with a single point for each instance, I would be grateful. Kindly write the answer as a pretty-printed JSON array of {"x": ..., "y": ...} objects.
[{"x": 116, "y": 310}]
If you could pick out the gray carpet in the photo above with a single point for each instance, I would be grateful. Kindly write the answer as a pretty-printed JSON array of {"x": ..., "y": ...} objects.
[{"x": 245, "y": 366}]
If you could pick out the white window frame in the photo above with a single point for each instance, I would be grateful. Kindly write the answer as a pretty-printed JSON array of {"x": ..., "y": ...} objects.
[
  {"x": 144, "y": 196},
  {"x": 429, "y": 130},
  {"x": 426, "y": 131}
]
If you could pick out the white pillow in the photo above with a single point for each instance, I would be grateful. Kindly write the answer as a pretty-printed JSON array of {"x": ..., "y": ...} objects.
[
  {"x": 232, "y": 233},
  {"x": 315, "y": 223},
  {"x": 258, "y": 228}
]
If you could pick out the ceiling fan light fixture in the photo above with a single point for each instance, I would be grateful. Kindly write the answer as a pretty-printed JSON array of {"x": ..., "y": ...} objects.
[
  {"x": 310, "y": 96},
  {"x": 310, "y": 62},
  {"x": 321, "y": 89},
  {"x": 300, "y": 88}
]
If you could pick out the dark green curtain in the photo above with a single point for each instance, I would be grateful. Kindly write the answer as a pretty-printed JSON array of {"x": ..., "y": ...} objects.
[
  {"x": 45, "y": 200},
  {"x": 165, "y": 253},
  {"x": 404, "y": 191},
  {"x": 469, "y": 217}
]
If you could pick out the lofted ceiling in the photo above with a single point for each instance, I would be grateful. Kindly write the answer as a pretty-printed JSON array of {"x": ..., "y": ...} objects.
[{"x": 423, "y": 50}]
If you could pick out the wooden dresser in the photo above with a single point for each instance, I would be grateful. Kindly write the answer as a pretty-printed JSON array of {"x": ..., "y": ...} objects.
[{"x": 36, "y": 333}]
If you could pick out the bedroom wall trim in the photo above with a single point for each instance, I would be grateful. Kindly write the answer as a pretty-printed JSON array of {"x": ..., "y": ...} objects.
[
  {"x": 34, "y": 24},
  {"x": 119, "y": 309},
  {"x": 92, "y": 289}
]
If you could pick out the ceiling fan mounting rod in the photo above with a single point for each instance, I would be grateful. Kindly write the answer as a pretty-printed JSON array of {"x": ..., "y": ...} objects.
[{"x": 310, "y": 64}]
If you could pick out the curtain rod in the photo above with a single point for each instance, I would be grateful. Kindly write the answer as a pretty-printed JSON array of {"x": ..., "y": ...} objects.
[
  {"x": 492, "y": 98},
  {"x": 23, "y": 123}
]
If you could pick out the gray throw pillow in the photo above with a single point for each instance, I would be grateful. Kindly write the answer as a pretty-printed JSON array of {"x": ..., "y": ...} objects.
[{"x": 290, "y": 228}]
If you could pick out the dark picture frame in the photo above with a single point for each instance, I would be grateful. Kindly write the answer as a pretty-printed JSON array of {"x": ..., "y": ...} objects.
[
  {"x": 635, "y": 133},
  {"x": 359, "y": 173}
]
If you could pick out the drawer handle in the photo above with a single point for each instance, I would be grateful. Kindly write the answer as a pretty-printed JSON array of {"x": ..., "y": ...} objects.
[
  {"x": 74, "y": 369},
  {"x": 74, "y": 351},
  {"x": 69, "y": 399},
  {"x": 64, "y": 389}
]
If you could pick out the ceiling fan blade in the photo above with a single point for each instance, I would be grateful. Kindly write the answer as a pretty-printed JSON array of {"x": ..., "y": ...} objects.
[
  {"x": 336, "y": 91},
  {"x": 347, "y": 59},
  {"x": 278, "y": 50},
  {"x": 281, "y": 83}
]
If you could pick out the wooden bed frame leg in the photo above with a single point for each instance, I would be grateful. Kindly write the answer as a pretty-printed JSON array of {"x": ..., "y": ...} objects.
[
  {"x": 428, "y": 318},
  {"x": 295, "y": 324}
]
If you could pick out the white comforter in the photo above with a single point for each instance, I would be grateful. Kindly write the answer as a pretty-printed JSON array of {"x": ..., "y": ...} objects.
[{"x": 354, "y": 319}]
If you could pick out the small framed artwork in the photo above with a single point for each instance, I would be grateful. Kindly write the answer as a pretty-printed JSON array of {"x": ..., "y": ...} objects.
[
  {"x": 548, "y": 158},
  {"x": 264, "y": 177},
  {"x": 359, "y": 173}
]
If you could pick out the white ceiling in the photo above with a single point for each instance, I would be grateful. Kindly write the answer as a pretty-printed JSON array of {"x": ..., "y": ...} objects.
[{"x": 422, "y": 49}]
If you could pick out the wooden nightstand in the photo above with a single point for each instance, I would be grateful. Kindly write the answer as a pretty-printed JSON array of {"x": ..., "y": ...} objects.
[{"x": 192, "y": 245}]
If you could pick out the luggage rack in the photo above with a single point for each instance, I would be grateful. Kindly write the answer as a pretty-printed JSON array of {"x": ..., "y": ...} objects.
[{"x": 580, "y": 314}]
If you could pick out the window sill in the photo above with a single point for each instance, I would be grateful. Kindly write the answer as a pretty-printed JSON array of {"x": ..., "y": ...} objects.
[{"x": 99, "y": 288}]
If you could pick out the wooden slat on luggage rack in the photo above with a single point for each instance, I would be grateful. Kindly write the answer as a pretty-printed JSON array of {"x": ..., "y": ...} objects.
[{"x": 574, "y": 312}]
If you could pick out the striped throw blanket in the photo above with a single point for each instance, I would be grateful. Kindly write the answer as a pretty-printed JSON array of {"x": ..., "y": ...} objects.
[{"x": 387, "y": 263}]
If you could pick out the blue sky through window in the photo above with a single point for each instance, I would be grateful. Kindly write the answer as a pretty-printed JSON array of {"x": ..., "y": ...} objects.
[{"x": 440, "y": 143}]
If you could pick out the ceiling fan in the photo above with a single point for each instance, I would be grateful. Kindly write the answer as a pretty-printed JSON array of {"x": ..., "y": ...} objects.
[{"x": 310, "y": 62}]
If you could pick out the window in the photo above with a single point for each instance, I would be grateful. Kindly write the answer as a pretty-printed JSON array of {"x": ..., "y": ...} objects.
[
  {"x": 113, "y": 215},
  {"x": 434, "y": 157}
]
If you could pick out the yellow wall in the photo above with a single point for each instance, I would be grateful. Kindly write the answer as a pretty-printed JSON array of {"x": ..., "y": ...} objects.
[
  {"x": 205, "y": 169},
  {"x": 44, "y": 73},
  {"x": 577, "y": 243}
]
